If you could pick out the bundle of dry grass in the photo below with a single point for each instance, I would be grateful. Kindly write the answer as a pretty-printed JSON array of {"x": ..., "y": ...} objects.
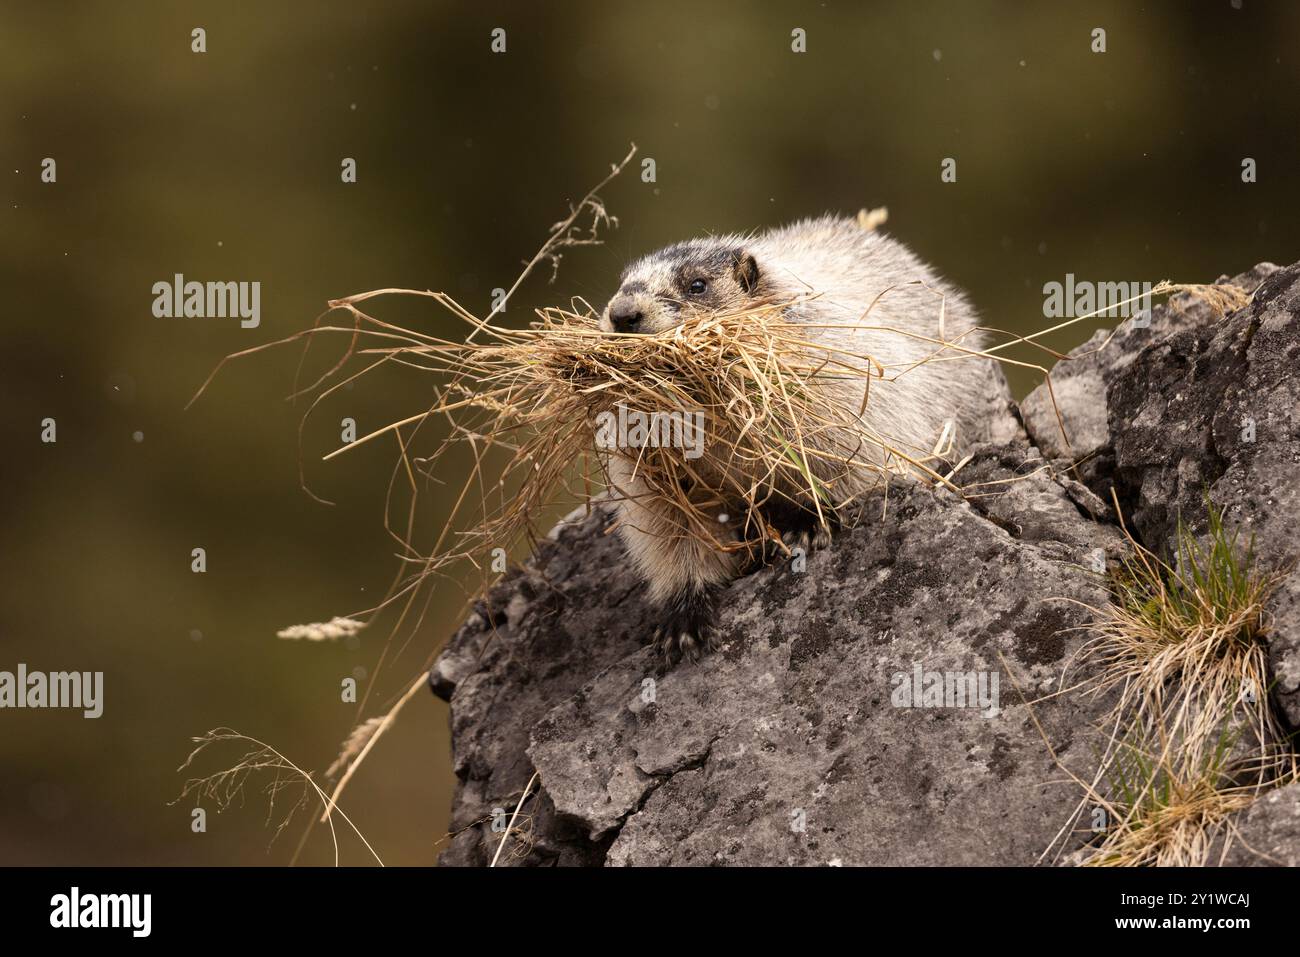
[{"x": 744, "y": 381}]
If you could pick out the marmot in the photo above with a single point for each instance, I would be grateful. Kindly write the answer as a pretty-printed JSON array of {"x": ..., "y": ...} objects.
[{"x": 851, "y": 273}]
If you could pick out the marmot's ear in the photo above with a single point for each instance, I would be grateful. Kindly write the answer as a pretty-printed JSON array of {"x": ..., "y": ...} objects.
[{"x": 745, "y": 269}]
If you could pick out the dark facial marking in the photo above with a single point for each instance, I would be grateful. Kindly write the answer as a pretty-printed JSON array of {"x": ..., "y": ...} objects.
[
  {"x": 696, "y": 283},
  {"x": 701, "y": 275}
]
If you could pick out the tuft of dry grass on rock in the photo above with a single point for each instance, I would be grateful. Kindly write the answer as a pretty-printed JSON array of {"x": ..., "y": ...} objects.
[
  {"x": 1169, "y": 807},
  {"x": 1193, "y": 624},
  {"x": 1196, "y": 740}
]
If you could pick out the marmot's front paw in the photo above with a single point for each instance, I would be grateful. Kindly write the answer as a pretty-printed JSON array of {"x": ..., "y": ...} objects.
[
  {"x": 798, "y": 528},
  {"x": 688, "y": 630},
  {"x": 681, "y": 639},
  {"x": 804, "y": 530}
]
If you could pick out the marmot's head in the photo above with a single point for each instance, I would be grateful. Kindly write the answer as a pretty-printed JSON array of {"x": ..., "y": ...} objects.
[{"x": 657, "y": 291}]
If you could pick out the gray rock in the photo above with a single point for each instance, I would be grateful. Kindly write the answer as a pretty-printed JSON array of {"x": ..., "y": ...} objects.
[
  {"x": 1213, "y": 409},
  {"x": 1073, "y": 426},
  {"x": 1265, "y": 834},
  {"x": 998, "y": 415},
  {"x": 1198, "y": 404},
  {"x": 1208, "y": 408},
  {"x": 785, "y": 745},
  {"x": 543, "y": 631},
  {"x": 1083, "y": 431}
]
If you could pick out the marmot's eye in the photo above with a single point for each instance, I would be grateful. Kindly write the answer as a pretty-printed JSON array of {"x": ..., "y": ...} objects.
[{"x": 697, "y": 287}]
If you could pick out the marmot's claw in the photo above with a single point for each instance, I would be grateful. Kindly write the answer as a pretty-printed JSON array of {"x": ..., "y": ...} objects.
[
  {"x": 673, "y": 642},
  {"x": 810, "y": 536},
  {"x": 688, "y": 632}
]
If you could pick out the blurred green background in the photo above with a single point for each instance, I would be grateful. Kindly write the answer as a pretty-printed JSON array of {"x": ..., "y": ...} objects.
[{"x": 226, "y": 166}]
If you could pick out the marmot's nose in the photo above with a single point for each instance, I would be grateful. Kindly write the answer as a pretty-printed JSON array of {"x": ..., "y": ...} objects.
[{"x": 625, "y": 316}]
